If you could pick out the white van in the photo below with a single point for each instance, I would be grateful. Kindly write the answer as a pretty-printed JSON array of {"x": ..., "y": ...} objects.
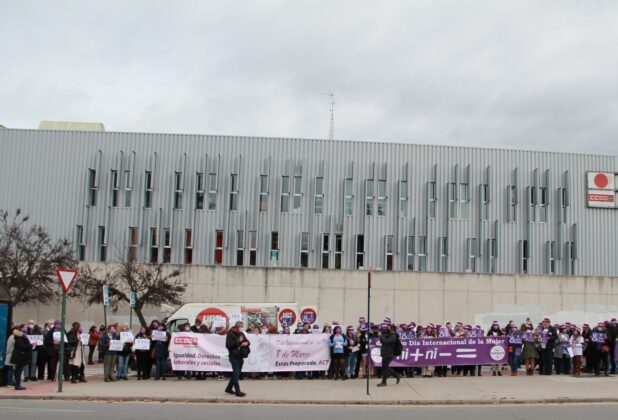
[{"x": 251, "y": 314}]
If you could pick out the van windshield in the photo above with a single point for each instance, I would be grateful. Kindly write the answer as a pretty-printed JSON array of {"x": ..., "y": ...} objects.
[{"x": 172, "y": 326}]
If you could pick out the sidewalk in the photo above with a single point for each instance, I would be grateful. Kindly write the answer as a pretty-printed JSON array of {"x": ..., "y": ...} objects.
[{"x": 417, "y": 391}]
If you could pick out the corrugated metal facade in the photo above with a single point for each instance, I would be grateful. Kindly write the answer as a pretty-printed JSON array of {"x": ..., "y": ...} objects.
[{"x": 52, "y": 176}]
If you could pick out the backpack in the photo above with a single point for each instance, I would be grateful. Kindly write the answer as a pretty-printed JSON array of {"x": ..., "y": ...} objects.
[{"x": 398, "y": 347}]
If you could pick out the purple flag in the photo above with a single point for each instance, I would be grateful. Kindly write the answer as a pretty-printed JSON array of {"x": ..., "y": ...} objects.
[{"x": 447, "y": 351}]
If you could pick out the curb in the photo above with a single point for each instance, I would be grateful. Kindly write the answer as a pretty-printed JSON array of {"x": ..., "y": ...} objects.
[{"x": 501, "y": 401}]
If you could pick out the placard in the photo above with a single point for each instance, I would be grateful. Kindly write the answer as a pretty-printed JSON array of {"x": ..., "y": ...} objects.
[
  {"x": 36, "y": 339},
  {"x": 126, "y": 336},
  {"x": 159, "y": 336},
  {"x": 85, "y": 338},
  {"x": 115, "y": 345},
  {"x": 141, "y": 344},
  {"x": 56, "y": 337}
]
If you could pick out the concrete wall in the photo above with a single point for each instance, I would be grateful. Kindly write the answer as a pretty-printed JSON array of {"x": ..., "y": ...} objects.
[{"x": 404, "y": 296}]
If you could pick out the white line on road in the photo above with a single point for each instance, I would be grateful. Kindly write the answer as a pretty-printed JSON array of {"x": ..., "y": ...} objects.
[{"x": 44, "y": 410}]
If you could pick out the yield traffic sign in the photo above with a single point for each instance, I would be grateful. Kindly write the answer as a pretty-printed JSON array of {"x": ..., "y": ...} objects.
[{"x": 66, "y": 277}]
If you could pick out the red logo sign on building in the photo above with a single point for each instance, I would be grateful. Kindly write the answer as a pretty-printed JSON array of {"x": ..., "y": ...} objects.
[
  {"x": 308, "y": 315},
  {"x": 287, "y": 317}
]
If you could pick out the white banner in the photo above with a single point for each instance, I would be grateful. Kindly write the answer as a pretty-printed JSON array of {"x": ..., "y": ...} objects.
[
  {"x": 141, "y": 344},
  {"x": 126, "y": 337},
  {"x": 269, "y": 353}
]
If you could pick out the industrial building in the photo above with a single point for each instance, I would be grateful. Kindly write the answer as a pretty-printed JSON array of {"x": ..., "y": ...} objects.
[{"x": 318, "y": 204}]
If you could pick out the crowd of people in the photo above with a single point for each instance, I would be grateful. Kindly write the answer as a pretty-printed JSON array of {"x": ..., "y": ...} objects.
[{"x": 33, "y": 351}]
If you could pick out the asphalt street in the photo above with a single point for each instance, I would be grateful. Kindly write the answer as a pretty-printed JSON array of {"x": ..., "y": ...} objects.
[{"x": 67, "y": 410}]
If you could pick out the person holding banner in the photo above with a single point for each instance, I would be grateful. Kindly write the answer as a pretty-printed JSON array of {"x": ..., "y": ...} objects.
[
  {"x": 160, "y": 351},
  {"x": 238, "y": 349},
  {"x": 126, "y": 337},
  {"x": 548, "y": 337},
  {"x": 495, "y": 331},
  {"x": 52, "y": 348},
  {"x": 515, "y": 348},
  {"x": 529, "y": 354}
]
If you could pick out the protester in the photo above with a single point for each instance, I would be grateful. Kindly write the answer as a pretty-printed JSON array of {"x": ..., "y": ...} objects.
[
  {"x": 530, "y": 353},
  {"x": 142, "y": 357},
  {"x": 93, "y": 340},
  {"x": 10, "y": 346},
  {"x": 337, "y": 343},
  {"x": 21, "y": 355},
  {"x": 109, "y": 356},
  {"x": 160, "y": 353},
  {"x": 238, "y": 348},
  {"x": 577, "y": 344},
  {"x": 30, "y": 371},
  {"x": 389, "y": 341},
  {"x": 75, "y": 350},
  {"x": 599, "y": 348},
  {"x": 548, "y": 338},
  {"x": 495, "y": 331},
  {"x": 515, "y": 348}
]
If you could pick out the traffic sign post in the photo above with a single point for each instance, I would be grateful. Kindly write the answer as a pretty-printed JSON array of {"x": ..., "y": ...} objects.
[
  {"x": 66, "y": 277},
  {"x": 132, "y": 301},
  {"x": 105, "y": 303}
]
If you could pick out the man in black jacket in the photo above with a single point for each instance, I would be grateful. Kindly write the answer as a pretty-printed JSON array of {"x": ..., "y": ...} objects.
[
  {"x": 238, "y": 349},
  {"x": 612, "y": 336},
  {"x": 389, "y": 341},
  {"x": 548, "y": 344}
]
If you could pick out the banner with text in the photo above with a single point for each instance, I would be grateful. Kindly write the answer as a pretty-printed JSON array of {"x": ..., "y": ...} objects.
[
  {"x": 269, "y": 353},
  {"x": 447, "y": 351}
]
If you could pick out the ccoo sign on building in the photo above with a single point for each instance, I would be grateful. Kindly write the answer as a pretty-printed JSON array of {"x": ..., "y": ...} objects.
[{"x": 601, "y": 191}]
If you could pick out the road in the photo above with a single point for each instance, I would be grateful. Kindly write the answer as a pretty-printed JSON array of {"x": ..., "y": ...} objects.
[{"x": 66, "y": 410}]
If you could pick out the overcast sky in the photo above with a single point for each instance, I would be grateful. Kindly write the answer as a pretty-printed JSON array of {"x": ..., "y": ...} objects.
[{"x": 517, "y": 74}]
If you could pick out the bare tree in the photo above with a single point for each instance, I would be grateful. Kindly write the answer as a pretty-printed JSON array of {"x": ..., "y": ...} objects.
[
  {"x": 151, "y": 284},
  {"x": 28, "y": 260}
]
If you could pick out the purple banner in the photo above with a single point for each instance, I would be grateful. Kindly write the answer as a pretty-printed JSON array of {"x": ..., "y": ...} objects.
[{"x": 445, "y": 351}]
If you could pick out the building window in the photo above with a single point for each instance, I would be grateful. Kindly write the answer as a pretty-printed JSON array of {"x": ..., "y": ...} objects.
[
  {"x": 484, "y": 201},
  {"x": 360, "y": 251},
  {"x": 115, "y": 183},
  {"x": 452, "y": 200},
  {"x": 543, "y": 204},
  {"x": 92, "y": 187},
  {"x": 148, "y": 190},
  {"x": 178, "y": 189},
  {"x": 102, "y": 244},
  {"x": 199, "y": 191},
  {"x": 532, "y": 204},
  {"x": 388, "y": 251},
  {"x": 422, "y": 253},
  {"x": 128, "y": 188},
  {"x": 381, "y": 197},
  {"x": 403, "y": 198},
  {"x": 348, "y": 197},
  {"x": 319, "y": 195},
  {"x": 240, "y": 247},
  {"x": 471, "y": 251},
  {"x": 234, "y": 192},
  {"x": 188, "y": 246},
  {"x": 338, "y": 250},
  {"x": 154, "y": 245},
  {"x": 325, "y": 250},
  {"x": 493, "y": 254},
  {"x": 443, "y": 261},
  {"x": 410, "y": 253},
  {"x": 81, "y": 244},
  {"x": 551, "y": 257},
  {"x": 571, "y": 256},
  {"x": 133, "y": 243},
  {"x": 218, "y": 247},
  {"x": 464, "y": 201},
  {"x": 285, "y": 194},
  {"x": 512, "y": 202},
  {"x": 252, "y": 248},
  {"x": 564, "y": 203},
  {"x": 432, "y": 199},
  {"x": 524, "y": 252},
  {"x": 304, "y": 249},
  {"x": 274, "y": 248},
  {"x": 298, "y": 195},
  {"x": 212, "y": 192},
  {"x": 167, "y": 246},
  {"x": 369, "y": 197},
  {"x": 263, "y": 192}
]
